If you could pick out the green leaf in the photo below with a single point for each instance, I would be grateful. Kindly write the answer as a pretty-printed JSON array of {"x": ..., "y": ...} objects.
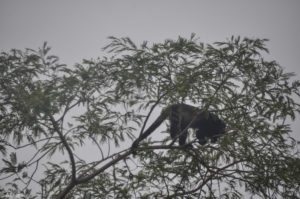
[{"x": 13, "y": 158}]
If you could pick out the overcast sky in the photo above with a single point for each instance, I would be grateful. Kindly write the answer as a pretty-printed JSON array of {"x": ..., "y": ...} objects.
[{"x": 79, "y": 29}]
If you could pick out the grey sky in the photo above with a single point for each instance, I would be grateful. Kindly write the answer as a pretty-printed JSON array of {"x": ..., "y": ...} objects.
[{"x": 79, "y": 29}]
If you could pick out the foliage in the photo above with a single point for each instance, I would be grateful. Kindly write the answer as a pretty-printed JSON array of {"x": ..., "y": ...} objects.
[{"x": 49, "y": 109}]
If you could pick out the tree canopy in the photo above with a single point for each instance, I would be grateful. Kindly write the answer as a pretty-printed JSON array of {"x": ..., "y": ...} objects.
[{"x": 48, "y": 109}]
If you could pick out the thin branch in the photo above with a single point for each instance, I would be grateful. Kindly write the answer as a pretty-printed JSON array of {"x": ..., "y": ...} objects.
[
  {"x": 97, "y": 144},
  {"x": 81, "y": 180},
  {"x": 6, "y": 177},
  {"x": 104, "y": 167},
  {"x": 210, "y": 177},
  {"x": 31, "y": 177},
  {"x": 69, "y": 107},
  {"x": 29, "y": 164},
  {"x": 101, "y": 161},
  {"x": 26, "y": 145},
  {"x": 38, "y": 151},
  {"x": 160, "y": 147},
  {"x": 66, "y": 145}
]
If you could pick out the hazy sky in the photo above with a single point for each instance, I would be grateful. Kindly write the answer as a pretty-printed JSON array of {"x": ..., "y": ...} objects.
[{"x": 79, "y": 29}]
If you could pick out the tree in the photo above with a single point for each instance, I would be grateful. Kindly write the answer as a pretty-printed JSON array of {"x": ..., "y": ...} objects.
[{"x": 49, "y": 109}]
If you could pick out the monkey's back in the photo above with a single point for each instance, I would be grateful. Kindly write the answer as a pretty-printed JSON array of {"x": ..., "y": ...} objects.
[{"x": 186, "y": 113}]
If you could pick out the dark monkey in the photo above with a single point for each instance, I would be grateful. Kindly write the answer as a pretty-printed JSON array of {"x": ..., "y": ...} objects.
[{"x": 206, "y": 124}]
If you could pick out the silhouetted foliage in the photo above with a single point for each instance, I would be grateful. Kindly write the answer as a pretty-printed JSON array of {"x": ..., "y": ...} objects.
[{"x": 48, "y": 109}]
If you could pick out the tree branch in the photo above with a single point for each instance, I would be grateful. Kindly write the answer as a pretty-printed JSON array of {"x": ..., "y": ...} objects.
[
  {"x": 81, "y": 180},
  {"x": 210, "y": 177},
  {"x": 66, "y": 145}
]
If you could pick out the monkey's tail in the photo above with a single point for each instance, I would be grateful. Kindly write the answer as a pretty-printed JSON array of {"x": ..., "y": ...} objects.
[{"x": 164, "y": 114}]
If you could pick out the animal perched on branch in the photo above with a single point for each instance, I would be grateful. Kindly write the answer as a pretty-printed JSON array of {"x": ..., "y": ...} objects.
[{"x": 182, "y": 116}]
